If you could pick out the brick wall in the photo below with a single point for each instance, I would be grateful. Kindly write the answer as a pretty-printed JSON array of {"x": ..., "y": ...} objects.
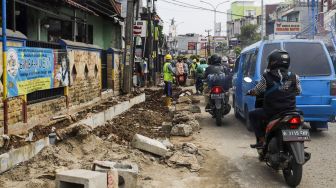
[
  {"x": 85, "y": 79},
  {"x": 46, "y": 109}
]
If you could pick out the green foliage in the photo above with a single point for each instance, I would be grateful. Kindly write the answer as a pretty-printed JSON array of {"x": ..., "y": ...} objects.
[
  {"x": 237, "y": 50},
  {"x": 249, "y": 34}
]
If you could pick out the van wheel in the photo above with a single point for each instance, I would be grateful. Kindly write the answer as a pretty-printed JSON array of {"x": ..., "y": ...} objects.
[{"x": 247, "y": 120}]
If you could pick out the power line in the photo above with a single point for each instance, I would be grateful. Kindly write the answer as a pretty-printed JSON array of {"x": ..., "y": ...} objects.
[{"x": 186, "y": 5}]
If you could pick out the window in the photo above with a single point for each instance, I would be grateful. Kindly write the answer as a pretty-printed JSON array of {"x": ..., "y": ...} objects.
[
  {"x": 246, "y": 64},
  {"x": 250, "y": 63},
  {"x": 59, "y": 29},
  {"x": 236, "y": 67},
  {"x": 268, "y": 48},
  {"x": 44, "y": 95},
  {"x": 308, "y": 59}
]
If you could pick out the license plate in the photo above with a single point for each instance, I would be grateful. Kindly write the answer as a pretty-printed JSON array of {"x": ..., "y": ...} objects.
[
  {"x": 217, "y": 96},
  {"x": 296, "y": 135}
]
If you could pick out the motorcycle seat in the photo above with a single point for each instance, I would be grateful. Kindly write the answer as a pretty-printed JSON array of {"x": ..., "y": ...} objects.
[{"x": 287, "y": 113}]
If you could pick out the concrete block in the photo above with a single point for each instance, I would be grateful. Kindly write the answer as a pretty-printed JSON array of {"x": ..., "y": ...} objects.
[
  {"x": 181, "y": 130},
  {"x": 81, "y": 178},
  {"x": 127, "y": 172},
  {"x": 149, "y": 145},
  {"x": 98, "y": 119},
  {"x": 4, "y": 159},
  {"x": 109, "y": 114}
]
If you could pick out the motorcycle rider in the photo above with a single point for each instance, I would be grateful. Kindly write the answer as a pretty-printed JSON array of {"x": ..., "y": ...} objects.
[
  {"x": 200, "y": 75},
  {"x": 214, "y": 75},
  {"x": 279, "y": 88}
]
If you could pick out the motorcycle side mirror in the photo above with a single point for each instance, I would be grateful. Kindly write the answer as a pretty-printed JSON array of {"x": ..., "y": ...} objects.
[{"x": 248, "y": 79}]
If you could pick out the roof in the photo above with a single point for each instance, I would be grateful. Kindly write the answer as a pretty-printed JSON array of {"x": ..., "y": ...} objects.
[
  {"x": 78, "y": 44},
  {"x": 109, "y": 8},
  {"x": 12, "y": 34},
  {"x": 259, "y": 43}
]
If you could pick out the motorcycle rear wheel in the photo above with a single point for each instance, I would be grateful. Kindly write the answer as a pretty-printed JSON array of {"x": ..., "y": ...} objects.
[
  {"x": 218, "y": 115},
  {"x": 293, "y": 174}
]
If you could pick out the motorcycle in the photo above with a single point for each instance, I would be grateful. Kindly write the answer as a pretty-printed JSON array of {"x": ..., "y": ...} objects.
[
  {"x": 284, "y": 144},
  {"x": 218, "y": 104}
]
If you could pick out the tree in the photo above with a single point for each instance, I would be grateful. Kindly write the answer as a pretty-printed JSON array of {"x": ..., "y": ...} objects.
[
  {"x": 249, "y": 34},
  {"x": 237, "y": 50}
]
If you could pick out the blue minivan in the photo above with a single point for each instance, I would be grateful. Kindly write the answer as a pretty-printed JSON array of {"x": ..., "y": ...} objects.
[{"x": 309, "y": 59}]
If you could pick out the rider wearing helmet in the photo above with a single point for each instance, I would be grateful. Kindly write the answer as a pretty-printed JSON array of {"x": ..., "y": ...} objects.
[
  {"x": 168, "y": 77},
  {"x": 214, "y": 75},
  {"x": 200, "y": 75},
  {"x": 279, "y": 88}
]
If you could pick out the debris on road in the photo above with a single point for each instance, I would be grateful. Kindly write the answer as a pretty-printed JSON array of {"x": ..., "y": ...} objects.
[
  {"x": 189, "y": 148},
  {"x": 184, "y": 159},
  {"x": 149, "y": 145},
  {"x": 181, "y": 130},
  {"x": 184, "y": 99}
]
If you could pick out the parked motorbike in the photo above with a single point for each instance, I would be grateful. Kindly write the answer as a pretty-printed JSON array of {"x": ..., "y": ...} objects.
[{"x": 218, "y": 104}]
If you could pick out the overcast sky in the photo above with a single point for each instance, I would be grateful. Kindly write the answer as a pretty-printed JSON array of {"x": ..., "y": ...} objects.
[{"x": 192, "y": 20}]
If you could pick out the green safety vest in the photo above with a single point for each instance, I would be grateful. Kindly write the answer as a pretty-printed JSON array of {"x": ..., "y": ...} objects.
[{"x": 167, "y": 75}]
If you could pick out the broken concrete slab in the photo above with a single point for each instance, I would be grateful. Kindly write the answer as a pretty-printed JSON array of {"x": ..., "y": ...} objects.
[
  {"x": 82, "y": 178},
  {"x": 196, "y": 99},
  {"x": 190, "y": 148},
  {"x": 184, "y": 99},
  {"x": 149, "y": 145},
  {"x": 182, "y": 107},
  {"x": 181, "y": 130},
  {"x": 195, "y": 109},
  {"x": 166, "y": 127},
  {"x": 184, "y": 159},
  {"x": 194, "y": 124},
  {"x": 127, "y": 173}
]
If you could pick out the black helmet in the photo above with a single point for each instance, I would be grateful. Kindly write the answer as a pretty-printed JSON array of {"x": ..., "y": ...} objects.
[
  {"x": 215, "y": 60},
  {"x": 203, "y": 61},
  {"x": 278, "y": 59}
]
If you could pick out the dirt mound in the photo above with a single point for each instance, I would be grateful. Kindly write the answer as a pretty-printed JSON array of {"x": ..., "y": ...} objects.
[{"x": 145, "y": 118}]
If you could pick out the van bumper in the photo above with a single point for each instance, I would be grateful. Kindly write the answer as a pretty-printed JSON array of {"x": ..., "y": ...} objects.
[{"x": 325, "y": 113}]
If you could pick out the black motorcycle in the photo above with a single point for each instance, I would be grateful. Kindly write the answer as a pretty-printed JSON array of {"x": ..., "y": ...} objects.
[
  {"x": 218, "y": 104},
  {"x": 284, "y": 146}
]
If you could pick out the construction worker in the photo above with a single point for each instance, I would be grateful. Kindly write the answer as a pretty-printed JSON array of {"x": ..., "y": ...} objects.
[
  {"x": 193, "y": 68},
  {"x": 168, "y": 77}
]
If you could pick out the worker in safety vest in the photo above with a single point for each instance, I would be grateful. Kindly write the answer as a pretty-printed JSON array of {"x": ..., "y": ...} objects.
[{"x": 168, "y": 77}]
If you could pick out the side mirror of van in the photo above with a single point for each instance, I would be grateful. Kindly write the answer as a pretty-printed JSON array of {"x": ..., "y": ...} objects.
[{"x": 248, "y": 79}]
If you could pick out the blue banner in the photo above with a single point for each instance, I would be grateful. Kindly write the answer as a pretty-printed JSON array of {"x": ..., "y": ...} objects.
[{"x": 29, "y": 70}]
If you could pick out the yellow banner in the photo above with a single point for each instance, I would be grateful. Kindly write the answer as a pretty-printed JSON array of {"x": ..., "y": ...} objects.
[{"x": 29, "y": 86}]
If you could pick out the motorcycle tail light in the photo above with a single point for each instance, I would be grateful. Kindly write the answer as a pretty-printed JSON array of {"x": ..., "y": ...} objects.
[
  {"x": 294, "y": 122},
  {"x": 217, "y": 90},
  {"x": 333, "y": 88}
]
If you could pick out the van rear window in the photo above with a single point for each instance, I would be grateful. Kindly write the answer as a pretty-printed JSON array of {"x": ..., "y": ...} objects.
[
  {"x": 308, "y": 59},
  {"x": 268, "y": 48}
]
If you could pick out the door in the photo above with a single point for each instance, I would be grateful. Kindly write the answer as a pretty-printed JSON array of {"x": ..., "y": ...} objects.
[
  {"x": 239, "y": 82},
  {"x": 249, "y": 71}
]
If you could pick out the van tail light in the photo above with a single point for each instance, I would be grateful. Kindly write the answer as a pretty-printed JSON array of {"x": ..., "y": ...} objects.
[
  {"x": 294, "y": 122},
  {"x": 216, "y": 90},
  {"x": 333, "y": 88}
]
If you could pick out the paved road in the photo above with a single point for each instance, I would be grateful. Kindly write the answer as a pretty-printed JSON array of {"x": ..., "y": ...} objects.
[{"x": 231, "y": 141}]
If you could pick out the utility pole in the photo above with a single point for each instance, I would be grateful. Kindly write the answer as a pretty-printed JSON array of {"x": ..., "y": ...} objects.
[
  {"x": 209, "y": 46},
  {"x": 150, "y": 40},
  {"x": 4, "y": 65},
  {"x": 262, "y": 20},
  {"x": 129, "y": 58}
]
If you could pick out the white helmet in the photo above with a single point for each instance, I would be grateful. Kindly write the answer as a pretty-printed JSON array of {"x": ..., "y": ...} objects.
[{"x": 224, "y": 59}]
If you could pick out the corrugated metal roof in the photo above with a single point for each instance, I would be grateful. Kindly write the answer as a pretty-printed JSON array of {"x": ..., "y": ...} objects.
[{"x": 12, "y": 34}]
